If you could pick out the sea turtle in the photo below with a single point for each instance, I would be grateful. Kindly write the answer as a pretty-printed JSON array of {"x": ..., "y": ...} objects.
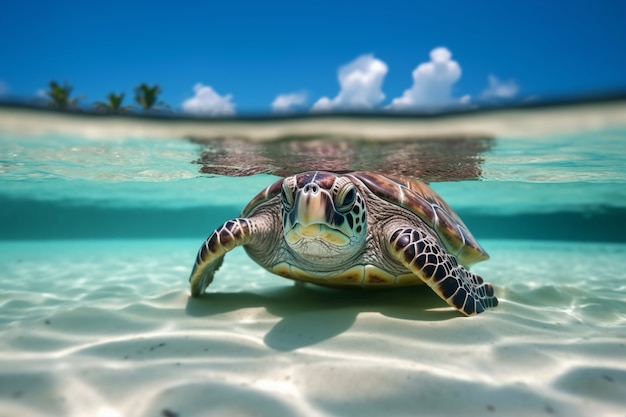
[{"x": 360, "y": 229}]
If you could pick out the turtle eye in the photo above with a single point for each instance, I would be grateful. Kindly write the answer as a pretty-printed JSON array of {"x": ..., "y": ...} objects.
[
  {"x": 345, "y": 198},
  {"x": 286, "y": 195}
]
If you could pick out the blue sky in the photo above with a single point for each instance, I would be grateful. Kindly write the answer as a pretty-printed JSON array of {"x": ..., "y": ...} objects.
[{"x": 239, "y": 56}]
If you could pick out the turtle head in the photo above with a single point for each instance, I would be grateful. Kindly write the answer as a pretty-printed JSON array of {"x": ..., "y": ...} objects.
[{"x": 324, "y": 215}]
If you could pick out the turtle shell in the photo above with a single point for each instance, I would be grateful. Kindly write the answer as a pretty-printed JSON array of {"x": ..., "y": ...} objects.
[
  {"x": 414, "y": 196},
  {"x": 420, "y": 199},
  {"x": 267, "y": 194}
]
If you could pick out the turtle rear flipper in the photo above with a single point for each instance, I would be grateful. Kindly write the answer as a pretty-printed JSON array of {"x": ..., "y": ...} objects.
[
  {"x": 421, "y": 254},
  {"x": 233, "y": 233}
]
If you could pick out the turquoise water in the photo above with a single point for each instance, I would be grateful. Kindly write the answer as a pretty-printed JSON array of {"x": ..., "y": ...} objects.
[
  {"x": 567, "y": 187},
  {"x": 97, "y": 241}
]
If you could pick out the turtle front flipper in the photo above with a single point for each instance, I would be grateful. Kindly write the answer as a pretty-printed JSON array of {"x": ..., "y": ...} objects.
[
  {"x": 233, "y": 233},
  {"x": 423, "y": 255}
]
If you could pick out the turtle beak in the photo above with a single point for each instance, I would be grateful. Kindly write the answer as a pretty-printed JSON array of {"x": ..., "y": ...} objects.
[
  {"x": 312, "y": 205},
  {"x": 311, "y": 213},
  {"x": 312, "y": 218}
]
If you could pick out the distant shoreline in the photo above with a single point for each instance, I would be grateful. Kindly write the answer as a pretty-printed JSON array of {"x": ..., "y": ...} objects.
[{"x": 515, "y": 121}]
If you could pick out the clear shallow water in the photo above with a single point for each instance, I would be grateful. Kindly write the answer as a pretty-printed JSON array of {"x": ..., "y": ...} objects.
[{"x": 97, "y": 241}]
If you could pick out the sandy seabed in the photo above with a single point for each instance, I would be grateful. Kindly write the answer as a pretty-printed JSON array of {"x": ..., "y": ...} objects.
[{"x": 106, "y": 329}]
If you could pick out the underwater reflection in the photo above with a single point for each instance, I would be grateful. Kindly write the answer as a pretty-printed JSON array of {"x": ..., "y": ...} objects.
[{"x": 436, "y": 159}]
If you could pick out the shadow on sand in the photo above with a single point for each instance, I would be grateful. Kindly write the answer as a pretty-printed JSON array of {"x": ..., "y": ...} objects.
[{"x": 311, "y": 314}]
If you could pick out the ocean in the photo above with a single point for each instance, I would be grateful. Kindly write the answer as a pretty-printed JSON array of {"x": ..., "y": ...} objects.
[{"x": 101, "y": 218}]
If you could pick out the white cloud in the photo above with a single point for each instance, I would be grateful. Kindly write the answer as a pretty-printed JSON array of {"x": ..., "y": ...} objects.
[
  {"x": 207, "y": 101},
  {"x": 360, "y": 81},
  {"x": 432, "y": 83},
  {"x": 500, "y": 89},
  {"x": 286, "y": 103}
]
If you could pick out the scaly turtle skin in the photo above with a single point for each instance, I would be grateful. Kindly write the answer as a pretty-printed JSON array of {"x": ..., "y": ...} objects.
[{"x": 361, "y": 229}]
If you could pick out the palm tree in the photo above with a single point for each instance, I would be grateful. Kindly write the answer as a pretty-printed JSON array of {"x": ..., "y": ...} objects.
[
  {"x": 112, "y": 105},
  {"x": 59, "y": 96},
  {"x": 147, "y": 96}
]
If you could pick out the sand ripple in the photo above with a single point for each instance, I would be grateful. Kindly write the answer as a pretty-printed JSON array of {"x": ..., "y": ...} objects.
[{"x": 107, "y": 329}]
